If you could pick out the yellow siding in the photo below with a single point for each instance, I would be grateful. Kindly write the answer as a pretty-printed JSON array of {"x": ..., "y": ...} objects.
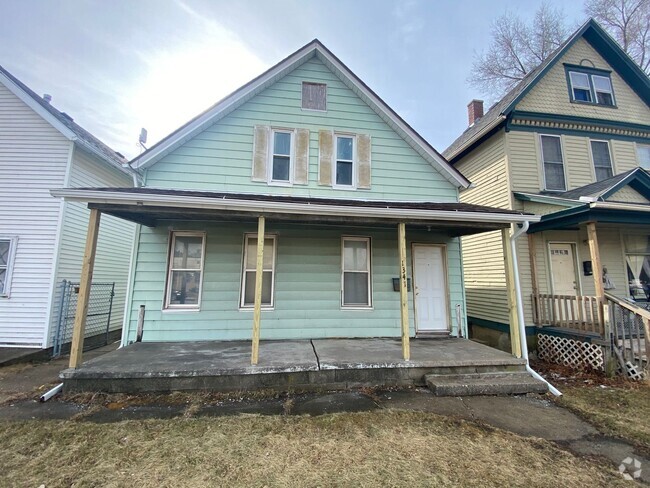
[
  {"x": 483, "y": 265},
  {"x": 578, "y": 167},
  {"x": 523, "y": 161},
  {"x": 551, "y": 94},
  {"x": 541, "y": 208},
  {"x": 628, "y": 195}
]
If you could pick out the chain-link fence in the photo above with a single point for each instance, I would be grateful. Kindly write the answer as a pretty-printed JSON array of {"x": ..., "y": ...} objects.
[{"x": 98, "y": 320}]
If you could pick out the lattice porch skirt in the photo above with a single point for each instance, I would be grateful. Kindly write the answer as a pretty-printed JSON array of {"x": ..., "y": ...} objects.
[{"x": 570, "y": 352}]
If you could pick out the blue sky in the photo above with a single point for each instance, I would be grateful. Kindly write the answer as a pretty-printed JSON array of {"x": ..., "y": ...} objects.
[{"x": 119, "y": 65}]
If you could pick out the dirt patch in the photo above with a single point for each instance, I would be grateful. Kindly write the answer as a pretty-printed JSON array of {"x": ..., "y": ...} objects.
[{"x": 387, "y": 448}]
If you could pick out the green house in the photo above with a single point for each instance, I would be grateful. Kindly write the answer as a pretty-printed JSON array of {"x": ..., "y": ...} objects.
[{"x": 309, "y": 156}]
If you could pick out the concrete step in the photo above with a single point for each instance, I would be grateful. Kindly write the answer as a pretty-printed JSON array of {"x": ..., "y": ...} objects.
[{"x": 515, "y": 383}]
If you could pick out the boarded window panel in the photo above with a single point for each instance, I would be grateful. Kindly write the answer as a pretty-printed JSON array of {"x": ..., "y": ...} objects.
[{"x": 314, "y": 96}]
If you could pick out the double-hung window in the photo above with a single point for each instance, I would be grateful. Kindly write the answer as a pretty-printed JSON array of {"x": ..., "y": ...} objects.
[
  {"x": 344, "y": 170},
  {"x": 356, "y": 279},
  {"x": 7, "y": 252},
  {"x": 588, "y": 85},
  {"x": 249, "y": 271},
  {"x": 602, "y": 159},
  {"x": 553, "y": 163},
  {"x": 643, "y": 154},
  {"x": 281, "y": 157},
  {"x": 185, "y": 270}
]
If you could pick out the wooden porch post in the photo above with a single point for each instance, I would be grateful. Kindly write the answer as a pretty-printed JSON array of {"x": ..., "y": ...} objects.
[
  {"x": 403, "y": 291},
  {"x": 85, "y": 283},
  {"x": 597, "y": 269},
  {"x": 257, "y": 310},
  {"x": 515, "y": 336}
]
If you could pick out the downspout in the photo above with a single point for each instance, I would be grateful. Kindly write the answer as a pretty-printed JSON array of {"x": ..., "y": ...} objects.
[{"x": 520, "y": 308}]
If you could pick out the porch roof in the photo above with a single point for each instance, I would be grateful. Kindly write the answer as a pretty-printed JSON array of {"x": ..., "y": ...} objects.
[
  {"x": 148, "y": 206},
  {"x": 604, "y": 212}
]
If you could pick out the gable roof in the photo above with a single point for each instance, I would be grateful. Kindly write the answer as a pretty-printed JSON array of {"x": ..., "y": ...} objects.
[
  {"x": 313, "y": 49},
  {"x": 63, "y": 122},
  {"x": 599, "y": 39}
]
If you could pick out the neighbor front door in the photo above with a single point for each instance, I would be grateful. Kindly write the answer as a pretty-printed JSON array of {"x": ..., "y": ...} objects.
[{"x": 430, "y": 288}]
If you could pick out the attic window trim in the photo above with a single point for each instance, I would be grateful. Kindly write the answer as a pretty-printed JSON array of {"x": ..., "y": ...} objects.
[
  {"x": 590, "y": 73},
  {"x": 302, "y": 96}
]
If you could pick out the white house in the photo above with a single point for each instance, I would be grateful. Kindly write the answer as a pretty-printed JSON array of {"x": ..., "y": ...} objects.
[{"x": 42, "y": 238}]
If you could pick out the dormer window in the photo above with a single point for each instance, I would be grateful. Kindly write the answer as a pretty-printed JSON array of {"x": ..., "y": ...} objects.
[{"x": 590, "y": 85}]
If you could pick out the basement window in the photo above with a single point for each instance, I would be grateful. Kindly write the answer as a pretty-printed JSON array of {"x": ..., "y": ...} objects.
[{"x": 314, "y": 96}]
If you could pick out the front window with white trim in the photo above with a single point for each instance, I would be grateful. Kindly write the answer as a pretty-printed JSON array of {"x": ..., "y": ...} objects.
[
  {"x": 281, "y": 157},
  {"x": 249, "y": 271},
  {"x": 356, "y": 277},
  {"x": 185, "y": 270},
  {"x": 580, "y": 86},
  {"x": 344, "y": 169},
  {"x": 7, "y": 252},
  {"x": 643, "y": 153},
  {"x": 553, "y": 163},
  {"x": 602, "y": 159}
]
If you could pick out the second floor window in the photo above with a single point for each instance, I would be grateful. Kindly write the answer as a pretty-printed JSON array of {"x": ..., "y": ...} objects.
[
  {"x": 553, "y": 163},
  {"x": 344, "y": 168},
  {"x": 281, "y": 157},
  {"x": 643, "y": 153},
  {"x": 602, "y": 160}
]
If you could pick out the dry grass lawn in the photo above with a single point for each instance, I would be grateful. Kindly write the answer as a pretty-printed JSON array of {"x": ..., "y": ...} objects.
[
  {"x": 619, "y": 411},
  {"x": 384, "y": 448}
]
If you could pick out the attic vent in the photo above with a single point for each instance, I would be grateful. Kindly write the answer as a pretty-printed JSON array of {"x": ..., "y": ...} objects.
[
  {"x": 66, "y": 116},
  {"x": 314, "y": 96}
]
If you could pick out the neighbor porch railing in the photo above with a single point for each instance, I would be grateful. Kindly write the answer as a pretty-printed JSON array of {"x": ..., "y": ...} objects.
[
  {"x": 629, "y": 327},
  {"x": 569, "y": 311}
]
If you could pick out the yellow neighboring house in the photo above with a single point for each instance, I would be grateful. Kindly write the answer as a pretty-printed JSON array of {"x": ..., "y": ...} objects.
[{"x": 569, "y": 142}]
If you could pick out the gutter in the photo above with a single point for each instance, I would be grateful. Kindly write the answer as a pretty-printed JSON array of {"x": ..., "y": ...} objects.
[
  {"x": 635, "y": 207},
  {"x": 520, "y": 309},
  {"x": 256, "y": 206}
]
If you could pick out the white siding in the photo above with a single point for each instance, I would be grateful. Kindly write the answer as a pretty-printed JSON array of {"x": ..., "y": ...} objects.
[
  {"x": 33, "y": 159},
  {"x": 114, "y": 242}
]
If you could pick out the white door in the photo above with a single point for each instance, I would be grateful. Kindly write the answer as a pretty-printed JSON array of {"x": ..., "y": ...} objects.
[
  {"x": 563, "y": 269},
  {"x": 430, "y": 289}
]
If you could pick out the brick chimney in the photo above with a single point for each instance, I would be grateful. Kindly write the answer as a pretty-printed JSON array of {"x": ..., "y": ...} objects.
[{"x": 474, "y": 111}]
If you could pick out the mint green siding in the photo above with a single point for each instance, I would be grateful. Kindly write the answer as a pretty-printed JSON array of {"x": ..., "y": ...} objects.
[
  {"x": 307, "y": 284},
  {"x": 220, "y": 158}
]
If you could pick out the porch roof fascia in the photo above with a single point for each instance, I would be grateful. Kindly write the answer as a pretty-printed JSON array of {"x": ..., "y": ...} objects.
[
  {"x": 268, "y": 206},
  {"x": 548, "y": 199},
  {"x": 604, "y": 212}
]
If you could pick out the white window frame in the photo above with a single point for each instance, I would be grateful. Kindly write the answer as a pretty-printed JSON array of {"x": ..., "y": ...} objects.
[
  {"x": 541, "y": 157},
  {"x": 13, "y": 241},
  {"x": 242, "y": 281},
  {"x": 269, "y": 176},
  {"x": 368, "y": 242},
  {"x": 638, "y": 153},
  {"x": 587, "y": 88},
  {"x": 302, "y": 104},
  {"x": 597, "y": 91},
  {"x": 593, "y": 161},
  {"x": 353, "y": 186},
  {"x": 168, "y": 287}
]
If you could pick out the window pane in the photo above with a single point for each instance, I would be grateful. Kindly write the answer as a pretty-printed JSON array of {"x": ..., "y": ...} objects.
[
  {"x": 3, "y": 277},
  {"x": 579, "y": 80},
  {"x": 344, "y": 148},
  {"x": 604, "y": 98},
  {"x": 4, "y": 253},
  {"x": 603, "y": 173},
  {"x": 343, "y": 173},
  {"x": 280, "y": 168},
  {"x": 249, "y": 290},
  {"x": 581, "y": 95},
  {"x": 602, "y": 83},
  {"x": 644, "y": 156},
  {"x": 185, "y": 288},
  {"x": 251, "y": 254},
  {"x": 187, "y": 252},
  {"x": 638, "y": 274},
  {"x": 355, "y": 255},
  {"x": 554, "y": 174},
  {"x": 551, "y": 149},
  {"x": 355, "y": 289},
  {"x": 282, "y": 143},
  {"x": 602, "y": 160}
]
